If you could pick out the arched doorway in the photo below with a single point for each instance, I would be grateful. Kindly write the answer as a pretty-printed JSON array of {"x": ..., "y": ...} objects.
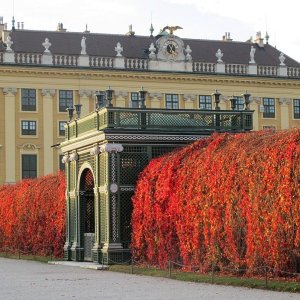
[{"x": 87, "y": 212}]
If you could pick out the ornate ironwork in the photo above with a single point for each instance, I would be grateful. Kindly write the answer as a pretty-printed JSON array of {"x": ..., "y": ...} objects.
[{"x": 159, "y": 120}]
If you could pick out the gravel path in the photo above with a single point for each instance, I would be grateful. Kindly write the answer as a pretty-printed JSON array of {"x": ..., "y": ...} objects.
[{"x": 24, "y": 280}]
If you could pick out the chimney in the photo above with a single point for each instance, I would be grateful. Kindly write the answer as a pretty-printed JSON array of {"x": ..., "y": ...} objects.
[
  {"x": 60, "y": 27},
  {"x": 226, "y": 37},
  {"x": 259, "y": 40},
  {"x": 130, "y": 32}
]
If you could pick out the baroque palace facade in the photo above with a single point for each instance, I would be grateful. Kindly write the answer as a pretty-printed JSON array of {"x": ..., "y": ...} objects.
[{"x": 42, "y": 73}]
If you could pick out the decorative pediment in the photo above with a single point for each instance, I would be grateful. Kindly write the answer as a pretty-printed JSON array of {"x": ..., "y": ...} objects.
[{"x": 29, "y": 147}]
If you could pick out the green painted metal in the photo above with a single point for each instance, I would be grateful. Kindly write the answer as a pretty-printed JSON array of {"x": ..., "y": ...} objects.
[
  {"x": 154, "y": 127},
  {"x": 158, "y": 120}
]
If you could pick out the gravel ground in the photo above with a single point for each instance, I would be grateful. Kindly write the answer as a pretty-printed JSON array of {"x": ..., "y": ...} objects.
[{"x": 20, "y": 279}]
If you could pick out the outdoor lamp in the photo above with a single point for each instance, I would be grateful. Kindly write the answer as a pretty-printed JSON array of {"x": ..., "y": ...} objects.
[
  {"x": 142, "y": 95},
  {"x": 233, "y": 102},
  {"x": 70, "y": 111},
  {"x": 216, "y": 96},
  {"x": 100, "y": 99},
  {"x": 247, "y": 100},
  {"x": 78, "y": 110},
  {"x": 109, "y": 93}
]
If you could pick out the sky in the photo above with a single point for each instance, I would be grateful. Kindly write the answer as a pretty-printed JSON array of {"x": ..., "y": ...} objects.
[{"x": 200, "y": 19}]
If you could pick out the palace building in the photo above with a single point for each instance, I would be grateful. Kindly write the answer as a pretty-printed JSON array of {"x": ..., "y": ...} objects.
[{"x": 43, "y": 73}]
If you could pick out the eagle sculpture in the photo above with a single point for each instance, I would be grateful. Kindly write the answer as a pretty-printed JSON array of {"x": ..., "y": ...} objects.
[{"x": 171, "y": 28}]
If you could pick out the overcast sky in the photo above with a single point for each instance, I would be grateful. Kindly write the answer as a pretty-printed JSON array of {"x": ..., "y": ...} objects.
[{"x": 200, "y": 19}]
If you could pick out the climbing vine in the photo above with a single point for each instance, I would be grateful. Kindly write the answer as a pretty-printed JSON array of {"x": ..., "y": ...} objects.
[
  {"x": 32, "y": 215},
  {"x": 231, "y": 200}
]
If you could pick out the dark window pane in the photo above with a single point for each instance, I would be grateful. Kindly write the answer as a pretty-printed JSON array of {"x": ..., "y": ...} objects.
[
  {"x": 28, "y": 127},
  {"x": 269, "y": 107},
  {"x": 28, "y": 98},
  {"x": 135, "y": 100},
  {"x": 172, "y": 101},
  {"x": 205, "y": 102},
  {"x": 239, "y": 103},
  {"x": 62, "y": 128},
  {"x": 29, "y": 166},
  {"x": 65, "y": 100},
  {"x": 296, "y": 103}
]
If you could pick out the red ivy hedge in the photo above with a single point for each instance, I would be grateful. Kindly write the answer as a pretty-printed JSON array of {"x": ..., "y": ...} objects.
[
  {"x": 32, "y": 215},
  {"x": 232, "y": 200}
]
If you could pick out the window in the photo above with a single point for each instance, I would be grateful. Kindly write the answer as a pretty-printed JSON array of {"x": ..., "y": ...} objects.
[
  {"x": 61, "y": 128},
  {"x": 28, "y": 127},
  {"x": 65, "y": 100},
  {"x": 205, "y": 102},
  {"x": 269, "y": 107},
  {"x": 28, "y": 99},
  {"x": 296, "y": 103},
  {"x": 172, "y": 101},
  {"x": 239, "y": 103},
  {"x": 29, "y": 166},
  {"x": 135, "y": 100},
  {"x": 60, "y": 163}
]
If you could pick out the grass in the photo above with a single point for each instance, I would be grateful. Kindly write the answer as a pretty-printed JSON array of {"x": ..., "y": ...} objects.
[
  {"x": 275, "y": 285},
  {"x": 43, "y": 259}
]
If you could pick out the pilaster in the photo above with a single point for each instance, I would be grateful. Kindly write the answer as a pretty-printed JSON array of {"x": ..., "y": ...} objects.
[
  {"x": 10, "y": 133},
  {"x": 121, "y": 98},
  {"x": 284, "y": 112},
  {"x": 155, "y": 100},
  {"x": 48, "y": 129},
  {"x": 255, "y": 105},
  {"x": 189, "y": 101},
  {"x": 84, "y": 99},
  {"x": 113, "y": 244}
]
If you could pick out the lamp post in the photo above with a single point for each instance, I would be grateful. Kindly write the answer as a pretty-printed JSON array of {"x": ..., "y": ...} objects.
[
  {"x": 100, "y": 99},
  {"x": 247, "y": 100},
  {"x": 109, "y": 93},
  {"x": 216, "y": 95},
  {"x": 142, "y": 95},
  {"x": 233, "y": 103},
  {"x": 70, "y": 111},
  {"x": 78, "y": 110}
]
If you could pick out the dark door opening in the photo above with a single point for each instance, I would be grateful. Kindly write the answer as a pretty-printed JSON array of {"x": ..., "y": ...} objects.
[{"x": 87, "y": 212}]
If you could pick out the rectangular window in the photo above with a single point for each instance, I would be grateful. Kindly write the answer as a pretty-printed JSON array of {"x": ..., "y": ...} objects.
[
  {"x": 205, "y": 102},
  {"x": 62, "y": 128},
  {"x": 29, "y": 166},
  {"x": 269, "y": 107},
  {"x": 239, "y": 103},
  {"x": 172, "y": 101},
  {"x": 28, "y": 127},
  {"x": 61, "y": 164},
  {"x": 296, "y": 103},
  {"x": 28, "y": 99},
  {"x": 135, "y": 100},
  {"x": 65, "y": 100}
]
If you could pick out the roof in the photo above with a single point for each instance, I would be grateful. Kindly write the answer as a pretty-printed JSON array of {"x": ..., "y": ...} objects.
[{"x": 98, "y": 44}]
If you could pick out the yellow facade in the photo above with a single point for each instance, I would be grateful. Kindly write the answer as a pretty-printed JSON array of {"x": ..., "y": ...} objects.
[
  {"x": 48, "y": 81},
  {"x": 49, "y": 62}
]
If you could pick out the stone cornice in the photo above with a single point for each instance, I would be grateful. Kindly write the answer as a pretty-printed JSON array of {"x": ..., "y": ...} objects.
[{"x": 149, "y": 75}]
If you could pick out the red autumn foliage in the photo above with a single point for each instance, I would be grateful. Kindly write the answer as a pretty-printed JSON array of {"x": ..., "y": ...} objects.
[
  {"x": 231, "y": 200},
  {"x": 32, "y": 215}
]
